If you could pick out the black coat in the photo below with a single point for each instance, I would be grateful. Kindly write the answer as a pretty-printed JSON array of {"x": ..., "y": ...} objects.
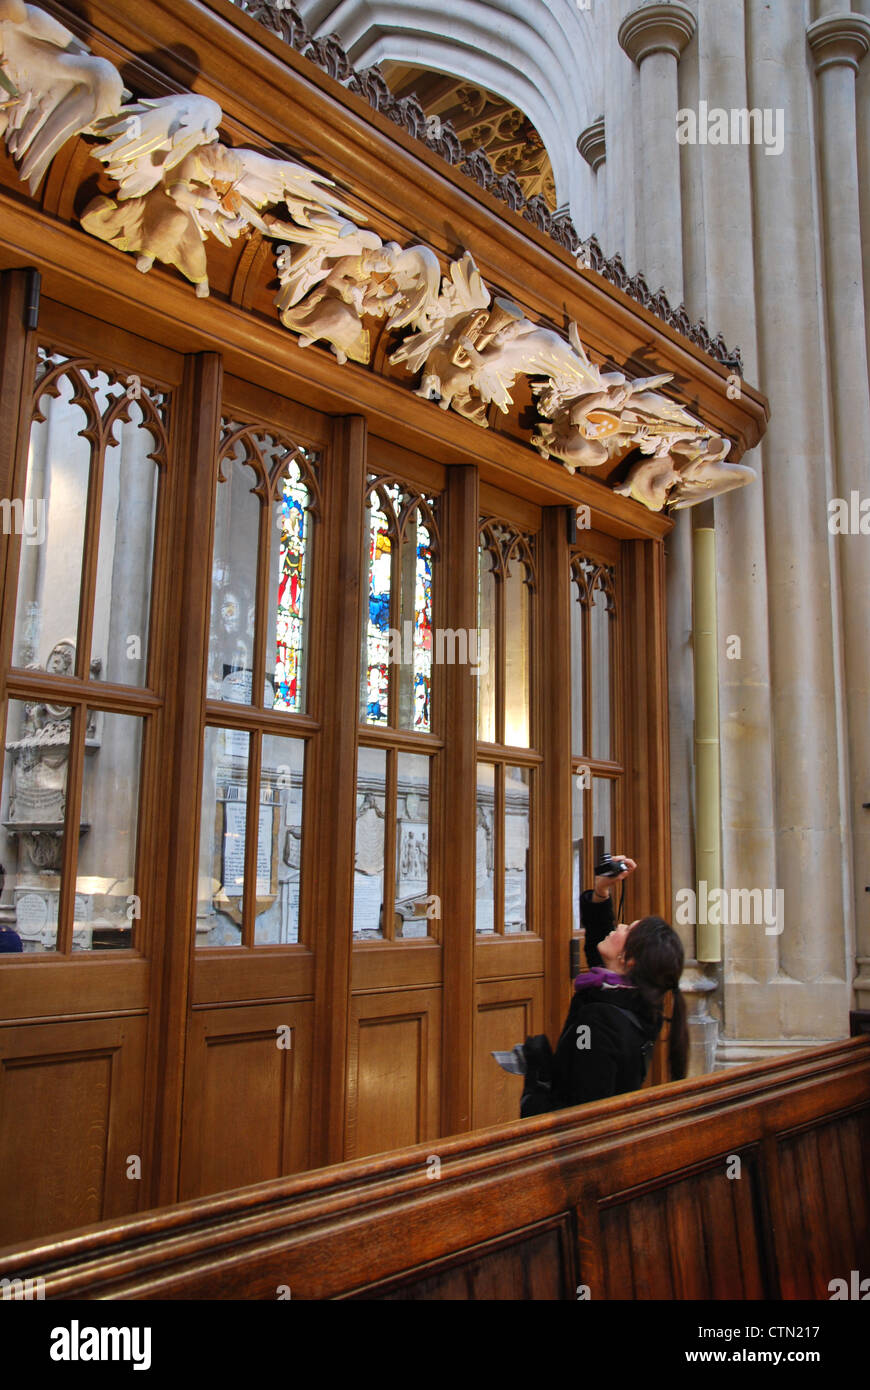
[
  {"x": 611, "y": 1053},
  {"x": 598, "y": 921}
]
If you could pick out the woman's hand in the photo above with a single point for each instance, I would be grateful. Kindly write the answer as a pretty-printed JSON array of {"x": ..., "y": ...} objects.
[{"x": 603, "y": 883}]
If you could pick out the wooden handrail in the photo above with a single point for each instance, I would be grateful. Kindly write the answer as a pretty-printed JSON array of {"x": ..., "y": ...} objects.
[{"x": 719, "y": 1186}]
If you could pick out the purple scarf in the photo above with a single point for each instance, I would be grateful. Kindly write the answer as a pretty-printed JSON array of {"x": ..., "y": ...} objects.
[{"x": 599, "y": 976}]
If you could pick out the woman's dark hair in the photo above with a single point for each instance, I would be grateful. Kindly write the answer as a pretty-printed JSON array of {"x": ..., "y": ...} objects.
[{"x": 655, "y": 953}]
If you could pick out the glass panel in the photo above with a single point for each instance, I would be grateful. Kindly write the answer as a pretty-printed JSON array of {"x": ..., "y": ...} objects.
[
  {"x": 234, "y": 581},
  {"x": 516, "y": 692},
  {"x": 376, "y": 622},
  {"x": 287, "y": 622},
  {"x": 32, "y": 817},
  {"x": 279, "y": 843},
  {"x": 517, "y": 819},
  {"x": 578, "y": 797},
  {"x": 602, "y": 818},
  {"x": 576, "y": 672},
  {"x": 413, "y": 905},
  {"x": 599, "y": 663},
  {"x": 485, "y": 883},
  {"x": 107, "y": 904},
  {"x": 126, "y": 549},
  {"x": 222, "y": 838},
  {"x": 368, "y": 878},
  {"x": 415, "y": 668},
  {"x": 52, "y": 523},
  {"x": 487, "y": 624}
]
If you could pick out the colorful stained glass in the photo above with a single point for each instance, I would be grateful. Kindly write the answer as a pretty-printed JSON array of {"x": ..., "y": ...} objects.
[
  {"x": 423, "y": 631},
  {"x": 377, "y": 640},
  {"x": 290, "y": 619}
]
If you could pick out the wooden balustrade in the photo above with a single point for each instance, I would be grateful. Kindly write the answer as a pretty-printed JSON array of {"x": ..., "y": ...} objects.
[{"x": 749, "y": 1184}]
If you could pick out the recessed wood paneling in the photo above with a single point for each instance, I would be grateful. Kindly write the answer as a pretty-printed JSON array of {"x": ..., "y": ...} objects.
[
  {"x": 393, "y": 1071},
  {"x": 507, "y": 1012},
  {"x": 535, "y": 1267},
  {"x": 70, "y": 1121},
  {"x": 246, "y": 1097}
]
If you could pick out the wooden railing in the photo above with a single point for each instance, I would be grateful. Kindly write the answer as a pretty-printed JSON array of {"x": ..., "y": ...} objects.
[{"x": 749, "y": 1184}]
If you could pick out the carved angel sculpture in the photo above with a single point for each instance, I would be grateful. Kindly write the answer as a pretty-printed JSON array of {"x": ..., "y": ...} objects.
[
  {"x": 62, "y": 88},
  {"x": 344, "y": 275},
  {"x": 178, "y": 184},
  {"x": 463, "y": 295},
  {"x": 703, "y": 472}
]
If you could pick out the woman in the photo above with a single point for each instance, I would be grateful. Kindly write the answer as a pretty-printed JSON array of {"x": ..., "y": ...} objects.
[{"x": 615, "y": 1017}]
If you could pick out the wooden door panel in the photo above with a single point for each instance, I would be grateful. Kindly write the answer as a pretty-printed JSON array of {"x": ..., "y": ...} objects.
[
  {"x": 70, "y": 1122},
  {"x": 393, "y": 1071},
  {"x": 507, "y": 1012},
  {"x": 246, "y": 1097}
]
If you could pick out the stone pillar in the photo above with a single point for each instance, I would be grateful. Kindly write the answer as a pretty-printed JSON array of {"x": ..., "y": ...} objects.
[
  {"x": 839, "y": 42},
  {"x": 805, "y": 690},
  {"x": 654, "y": 37},
  {"x": 728, "y": 301},
  {"x": 592, "y": 146}
]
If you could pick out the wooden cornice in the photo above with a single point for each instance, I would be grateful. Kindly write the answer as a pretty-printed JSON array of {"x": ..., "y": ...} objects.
[{"x": 273, "y": 98}]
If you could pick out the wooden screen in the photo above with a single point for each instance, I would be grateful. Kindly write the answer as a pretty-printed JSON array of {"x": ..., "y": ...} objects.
[{"x": 286, "y": 798}]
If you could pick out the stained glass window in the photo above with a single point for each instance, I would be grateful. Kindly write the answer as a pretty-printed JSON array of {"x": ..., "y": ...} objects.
[
  {"x": 397, "y": 633},
  {"x": 378, "y": 645},
  {"x": 292, "y": 523}
]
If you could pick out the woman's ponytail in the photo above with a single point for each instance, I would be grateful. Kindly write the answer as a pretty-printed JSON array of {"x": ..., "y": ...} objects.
[{"x": 678, "y": 1038}]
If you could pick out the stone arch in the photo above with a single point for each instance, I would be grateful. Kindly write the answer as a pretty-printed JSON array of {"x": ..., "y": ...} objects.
[{"x": 540, "y": 55}]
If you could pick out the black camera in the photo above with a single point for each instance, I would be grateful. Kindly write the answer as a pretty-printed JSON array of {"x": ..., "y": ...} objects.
[{"x": 610, "y": 868}]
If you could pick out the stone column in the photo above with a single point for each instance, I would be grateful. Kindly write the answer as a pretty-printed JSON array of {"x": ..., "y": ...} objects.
[
  {"x": 727, "y": 300},
  {"x": 654, "y": 37},
  {"x": 591, "y": 144},
  {"x": 806, "y": 999},
  {"x": 839, "y": 42}
]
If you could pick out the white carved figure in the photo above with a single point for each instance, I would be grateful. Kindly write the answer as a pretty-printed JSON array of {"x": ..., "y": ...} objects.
[
  {"x": 650, "y": 481},
  {"x": 62, "y": 88},
  {"x": 178, "y": 184},
  {"x": 340, "y": 275},
  {"x": 703, "y": 472},
  {"x": 463, "y": 297}
]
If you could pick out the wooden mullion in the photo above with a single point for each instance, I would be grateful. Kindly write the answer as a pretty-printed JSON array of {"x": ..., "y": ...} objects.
[
  {"x": 18, "y": 347},
  {"x": 522, "y": 757},
  {"x": 390, "y": 821},
  {"x": 457, "y": 809},
  {"x": 500, "y": 656},
  {"x": 586, "y": 627},
  {"x": 331, "y": 893},
  {"x": 394, "y": 667},
  {"x": 71, "y": 822},
  {"x": 90, "y": 556},
  {"x": 498, "y": 846},
  {"x": 258, "y": 660},
  {"x": 197, "y": 409},
  {"x": 252, "y": 829}
]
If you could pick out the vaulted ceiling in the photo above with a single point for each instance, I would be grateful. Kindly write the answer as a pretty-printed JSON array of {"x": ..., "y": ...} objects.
[{"x": 482, "y": 120}]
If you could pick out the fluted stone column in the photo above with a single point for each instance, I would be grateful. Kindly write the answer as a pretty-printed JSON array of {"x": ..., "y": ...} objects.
[
  {"x": 808, "y": 996},
  {"x": 726, "y": 298},
  {"x": 654, "y": 37},
  {"x": 839, "y": 42}
]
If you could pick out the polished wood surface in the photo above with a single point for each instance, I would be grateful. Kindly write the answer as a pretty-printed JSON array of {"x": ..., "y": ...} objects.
[{"x": 629, "y": 1197}]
